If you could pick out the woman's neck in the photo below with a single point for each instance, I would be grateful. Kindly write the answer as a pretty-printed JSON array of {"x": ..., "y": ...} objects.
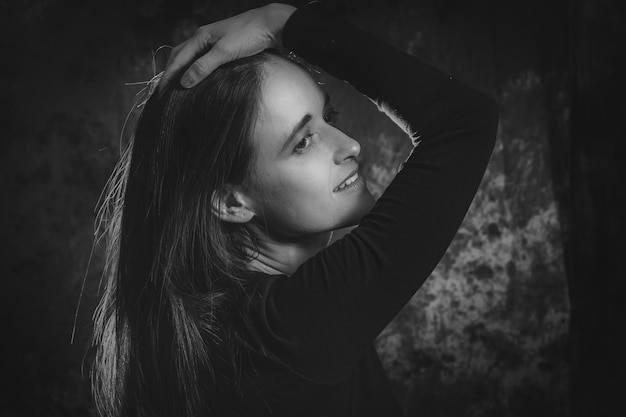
[{"x": 285, "y": 255}]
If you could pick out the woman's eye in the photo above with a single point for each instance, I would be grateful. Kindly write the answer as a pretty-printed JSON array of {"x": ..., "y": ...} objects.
[
  {"x": 331, "y": 116},
  {"x": 304, "y": 143}
]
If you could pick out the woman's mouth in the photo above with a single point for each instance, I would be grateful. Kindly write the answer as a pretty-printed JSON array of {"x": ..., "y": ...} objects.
[{"x": 351, "y": 182}]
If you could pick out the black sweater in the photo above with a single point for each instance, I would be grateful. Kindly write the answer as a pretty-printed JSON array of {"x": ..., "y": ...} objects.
[{"x": 308, "y": 347}]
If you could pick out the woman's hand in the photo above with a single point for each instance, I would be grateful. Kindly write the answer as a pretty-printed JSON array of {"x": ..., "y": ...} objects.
[{"x": 215, "y": 44}]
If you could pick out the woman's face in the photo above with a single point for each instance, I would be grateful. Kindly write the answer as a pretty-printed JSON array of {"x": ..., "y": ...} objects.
[{"x": 305, "y": 178}]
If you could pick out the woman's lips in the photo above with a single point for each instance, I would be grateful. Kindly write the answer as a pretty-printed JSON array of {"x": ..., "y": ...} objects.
[{"x": 353, "y": 181}]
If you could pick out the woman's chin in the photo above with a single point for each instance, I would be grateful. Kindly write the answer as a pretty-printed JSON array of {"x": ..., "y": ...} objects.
[{"x": 364, "y": 206}]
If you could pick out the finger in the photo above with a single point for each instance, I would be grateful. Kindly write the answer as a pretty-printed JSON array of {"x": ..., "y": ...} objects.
[
  {"x": 168, "y": 73},
  {"x": 189, "y": 50},
  {"x": 205, "y": 65}
]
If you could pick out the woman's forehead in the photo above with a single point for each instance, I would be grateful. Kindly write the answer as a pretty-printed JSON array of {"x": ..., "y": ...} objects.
[{"x": 288, "y": 87}]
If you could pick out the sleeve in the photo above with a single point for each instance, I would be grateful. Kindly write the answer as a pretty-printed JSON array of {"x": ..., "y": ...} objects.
[{"x": 320, "y": 321}]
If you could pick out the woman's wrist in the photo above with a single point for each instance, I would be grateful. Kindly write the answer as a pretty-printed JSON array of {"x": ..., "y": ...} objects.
[{"x": 277, "y": 16}]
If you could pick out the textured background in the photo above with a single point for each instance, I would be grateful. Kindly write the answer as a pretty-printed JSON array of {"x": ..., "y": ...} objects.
[{"x": 489, "y": 334}]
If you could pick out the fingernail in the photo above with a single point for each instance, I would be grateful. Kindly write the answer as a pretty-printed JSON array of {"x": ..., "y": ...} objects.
[{"x": 186, "y": 81}]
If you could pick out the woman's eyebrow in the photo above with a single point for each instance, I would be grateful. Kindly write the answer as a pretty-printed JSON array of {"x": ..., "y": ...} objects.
[{"x": 300, "y": 125}]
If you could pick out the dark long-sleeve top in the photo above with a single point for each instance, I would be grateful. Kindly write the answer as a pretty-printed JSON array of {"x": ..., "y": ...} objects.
[{"x": 309, "y": 337}]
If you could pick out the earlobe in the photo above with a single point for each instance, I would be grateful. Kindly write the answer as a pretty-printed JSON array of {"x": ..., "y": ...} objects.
[{"x": 230, "y": 205}]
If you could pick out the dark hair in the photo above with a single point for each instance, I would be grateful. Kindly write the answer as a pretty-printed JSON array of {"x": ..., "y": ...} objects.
[{"x": 172, "y": 265}]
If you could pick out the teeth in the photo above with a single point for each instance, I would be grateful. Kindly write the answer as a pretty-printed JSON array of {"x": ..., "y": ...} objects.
[{"x": 348, "y": 181}]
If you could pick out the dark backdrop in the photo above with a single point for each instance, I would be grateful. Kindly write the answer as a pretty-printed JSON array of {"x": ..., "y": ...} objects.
[{"x": 522, "y": 317}]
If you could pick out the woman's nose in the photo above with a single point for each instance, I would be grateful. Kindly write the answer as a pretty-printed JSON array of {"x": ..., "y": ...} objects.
[{"x": 346, "y": 148}]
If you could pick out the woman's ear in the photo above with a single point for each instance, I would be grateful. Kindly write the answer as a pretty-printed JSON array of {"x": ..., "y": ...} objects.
[{"x": 231, "y": 204}]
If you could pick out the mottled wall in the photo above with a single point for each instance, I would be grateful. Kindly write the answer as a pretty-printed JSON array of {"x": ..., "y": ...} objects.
[{"x": 486, "y": 335}]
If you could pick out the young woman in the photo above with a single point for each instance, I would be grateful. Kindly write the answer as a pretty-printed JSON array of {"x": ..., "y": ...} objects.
[{"x": 223, "y": 296}]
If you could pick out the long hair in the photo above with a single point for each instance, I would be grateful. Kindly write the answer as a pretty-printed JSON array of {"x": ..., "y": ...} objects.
[{"x": 161, "y": 328}]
